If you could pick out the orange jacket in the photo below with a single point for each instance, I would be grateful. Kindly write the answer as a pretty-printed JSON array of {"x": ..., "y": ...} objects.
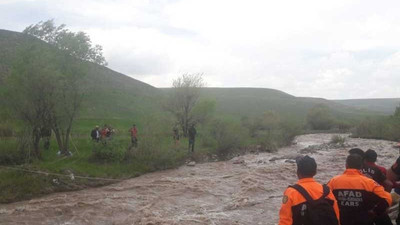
[
  {"x": 293, "y": 200},
  {"x": 356, "y": 195}
]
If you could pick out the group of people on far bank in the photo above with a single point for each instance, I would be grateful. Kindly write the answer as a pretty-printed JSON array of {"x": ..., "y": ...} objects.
[
  {"x": 359, "y": 196},
  {"x": 105, "y": 133},
  {"x": 102, "y": 134}
]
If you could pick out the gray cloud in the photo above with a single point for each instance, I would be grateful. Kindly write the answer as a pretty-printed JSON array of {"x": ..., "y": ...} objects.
[{"x": 335, "y": 49}]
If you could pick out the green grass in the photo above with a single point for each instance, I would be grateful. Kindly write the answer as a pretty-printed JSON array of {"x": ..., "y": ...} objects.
[{"x": 18, "y": 185}]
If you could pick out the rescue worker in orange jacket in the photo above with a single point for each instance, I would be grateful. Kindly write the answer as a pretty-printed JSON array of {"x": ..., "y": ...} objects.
[
  {"x": 359, "y": 197},
  {"x": 293, "y": 202}
]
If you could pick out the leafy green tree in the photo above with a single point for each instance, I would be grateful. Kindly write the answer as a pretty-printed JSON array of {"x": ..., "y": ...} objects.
[
  {"x": 203, "y": 111},
  {"x": 319, "y": 117},
  {"x": 397, "y": 112},
  {"x": 77, "y": 44},
  {"x": 44, "y": 91}
]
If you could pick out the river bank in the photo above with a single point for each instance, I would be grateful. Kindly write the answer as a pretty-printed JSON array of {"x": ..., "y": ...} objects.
[{"x": 245, "y": 190}]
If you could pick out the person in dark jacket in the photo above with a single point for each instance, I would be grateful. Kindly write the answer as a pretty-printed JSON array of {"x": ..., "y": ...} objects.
[
  {"x": 192, "y": 135},
  {"x": 378, "y": 174},
  {"x": 95, "y": 134},
  {"x": 359, "y": 198},
  {"x": 45, "y": 133},
  {"x": 175, "y": 134}
]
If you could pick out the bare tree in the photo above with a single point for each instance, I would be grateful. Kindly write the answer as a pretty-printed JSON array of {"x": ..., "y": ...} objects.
[{"x": 184, "y": 97}]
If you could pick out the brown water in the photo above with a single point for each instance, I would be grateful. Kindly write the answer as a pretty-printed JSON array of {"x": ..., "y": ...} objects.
[{"x": 244, "y": 190}]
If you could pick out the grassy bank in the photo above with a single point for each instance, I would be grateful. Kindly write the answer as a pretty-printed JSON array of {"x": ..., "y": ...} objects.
[
  {"x": 218, "y": 139},
  {"x": 387, "y": 128},
  {"x": 120, "y": 164}
]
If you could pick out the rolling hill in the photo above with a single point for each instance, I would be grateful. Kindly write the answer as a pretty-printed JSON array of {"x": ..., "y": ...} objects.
[
  {"x": 239, "y": 102},
  {"x": 109, "y": 94},
  {"x": 116, "y": 96},
  {"x": 386, "y": 106}
]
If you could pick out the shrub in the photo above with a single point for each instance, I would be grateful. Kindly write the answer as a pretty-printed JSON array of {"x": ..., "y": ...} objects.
[
  {"x": 6, "y": 130},
  {"x": 16, "y": 150},
  {"x": 271, "y": 131},
  {"x": 111, "y": 151},
  {"x": 228, "y": 137},
  {"x": 337, "y": 139},
  {"x": 319, "y": 118}
]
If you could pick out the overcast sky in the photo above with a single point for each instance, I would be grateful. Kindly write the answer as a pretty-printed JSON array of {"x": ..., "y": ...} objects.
[{"x": 336, "y": 49}]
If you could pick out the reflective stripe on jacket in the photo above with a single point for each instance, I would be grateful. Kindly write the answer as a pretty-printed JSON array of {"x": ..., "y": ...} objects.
[{"x": 356, "y": 195}]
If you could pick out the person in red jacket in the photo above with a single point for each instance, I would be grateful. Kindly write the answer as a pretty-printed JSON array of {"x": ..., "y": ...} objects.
[
  {"x": 134, "y": 139},
  {"x": 370, "y": 159},
  {"x": 359, "y": 198},
  {"x": 393, "y": 174},
  {"x": 294, "y": 204}
]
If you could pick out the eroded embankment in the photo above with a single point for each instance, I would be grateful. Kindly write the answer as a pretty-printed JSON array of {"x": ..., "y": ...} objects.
[{"x": 244, "y": 190}]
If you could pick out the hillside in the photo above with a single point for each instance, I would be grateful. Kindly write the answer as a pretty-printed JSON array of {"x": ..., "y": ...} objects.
[
  {"x": 239, "y": 102},
  {"x": 109, "y": 94},
  {"x": 112, "y": 95},
  {"x": 380, "y": 105}
]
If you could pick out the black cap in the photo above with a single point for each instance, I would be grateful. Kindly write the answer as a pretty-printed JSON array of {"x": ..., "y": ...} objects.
[
  {"x": 306, "y": 166},
  {"x": 370, "y": 155}
]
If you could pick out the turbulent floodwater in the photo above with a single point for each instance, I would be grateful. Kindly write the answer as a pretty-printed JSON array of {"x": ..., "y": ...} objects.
[{"x": 245, "y": 190}]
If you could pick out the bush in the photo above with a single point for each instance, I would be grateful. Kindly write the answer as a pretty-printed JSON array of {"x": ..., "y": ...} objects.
[
  {"x": 6, "y": 130},
  {"x": 370, "y": 128},
  {"x": 10, "y": 154},
  {"x": 228, "y": 137},
  {"x": 271, "y": 140},
  {"x": 16, "y": 150},
  {"x": 319, "y": 118},
  {"x": 270, "y": 131},
  {"x": 337, "y": 139},
  {"x": 111, "y": 151}
]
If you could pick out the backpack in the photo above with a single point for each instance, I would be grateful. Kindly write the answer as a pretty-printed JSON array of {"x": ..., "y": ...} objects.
[{"x": 319, "y": 211}]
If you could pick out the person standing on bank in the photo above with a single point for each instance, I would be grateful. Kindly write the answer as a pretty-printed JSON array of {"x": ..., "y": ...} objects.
[
  {"x": 134, "y": 139},
  {"x": 308, "y": 202},
  {"x": 175, "y": 131},
  {"x": 95, "y": 134},
  {"x": 192, "y": 135}
]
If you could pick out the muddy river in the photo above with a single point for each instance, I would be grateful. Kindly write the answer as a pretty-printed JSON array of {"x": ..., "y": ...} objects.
[{"x": 245, "y": 190}]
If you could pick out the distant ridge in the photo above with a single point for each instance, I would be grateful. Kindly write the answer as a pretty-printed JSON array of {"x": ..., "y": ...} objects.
[
  {"x": 381, "y": 105},
  {"x": 239, "y": 102}
]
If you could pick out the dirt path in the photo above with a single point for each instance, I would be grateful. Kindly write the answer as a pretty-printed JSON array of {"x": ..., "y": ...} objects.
[{"x": 244, "y": 190}]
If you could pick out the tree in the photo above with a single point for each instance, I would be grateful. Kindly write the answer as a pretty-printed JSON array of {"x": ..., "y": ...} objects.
[
  {"x": 185, "y": 96},
  {"x": 397, "y": 112},
  {"x": 76, "y": 44},
  {"x": 66, "y": 101},
  {"x": 319, "y": 117},
  {"x": 44, "y": 92}
]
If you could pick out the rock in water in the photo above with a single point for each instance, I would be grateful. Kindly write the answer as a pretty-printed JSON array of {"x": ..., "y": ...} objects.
[{"x": 192, "y": 163}]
